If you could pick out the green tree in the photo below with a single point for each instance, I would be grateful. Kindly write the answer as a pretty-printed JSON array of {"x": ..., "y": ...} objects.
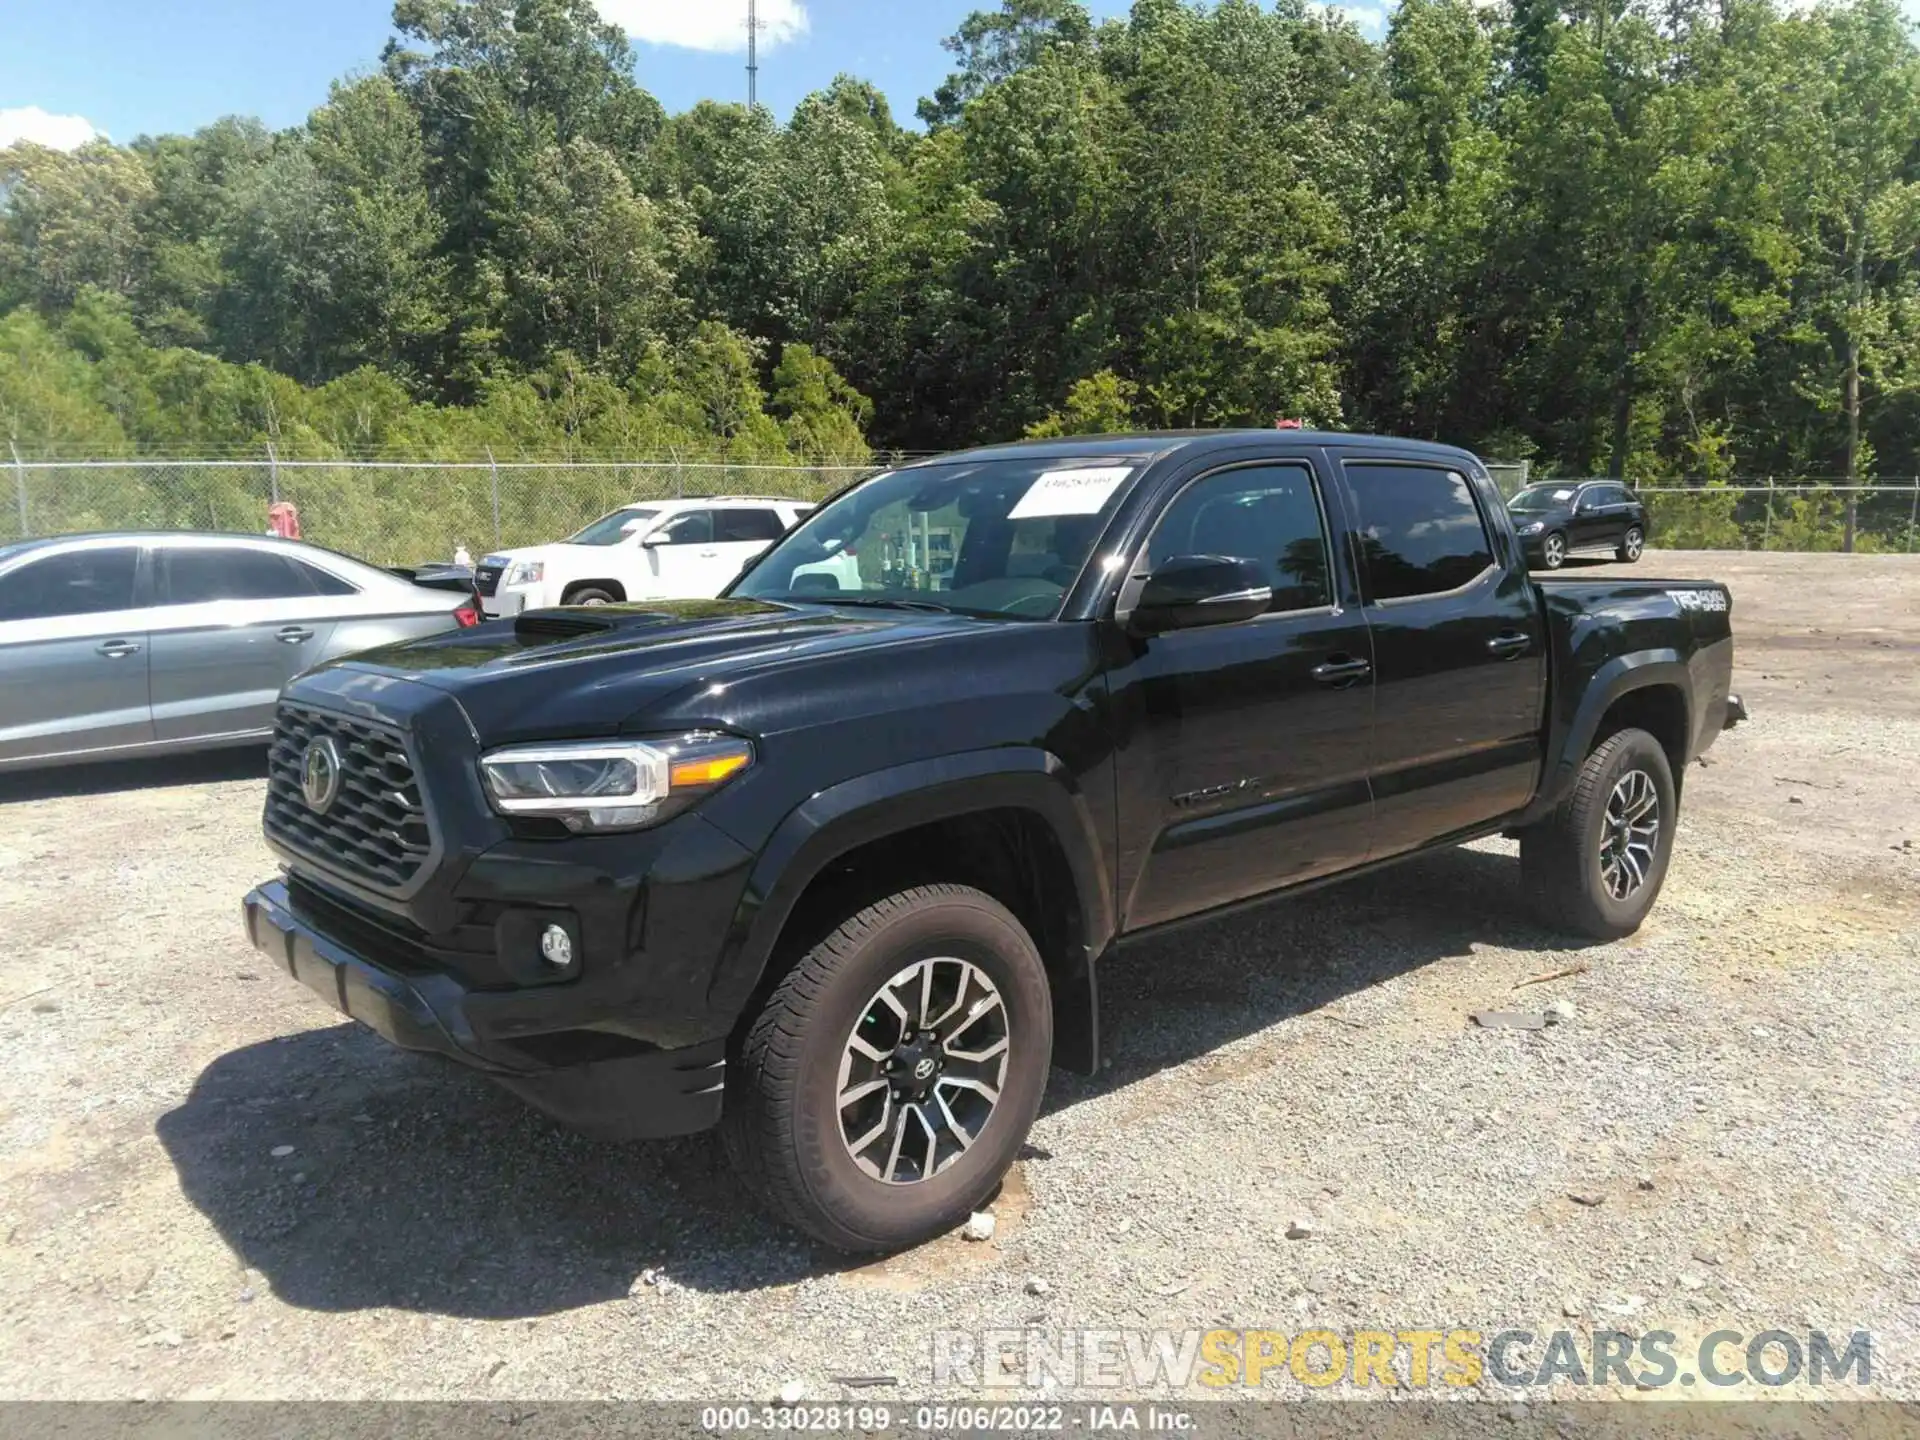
[
  {"x": 68, "y": 221},
  {"x": 1101, "y": 404}
]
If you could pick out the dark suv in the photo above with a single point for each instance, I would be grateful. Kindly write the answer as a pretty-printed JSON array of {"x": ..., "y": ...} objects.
[{"x": 1557, "y": 518}]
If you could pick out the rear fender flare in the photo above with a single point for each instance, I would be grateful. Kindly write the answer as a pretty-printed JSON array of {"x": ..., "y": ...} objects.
[{"x": 1623, "y": 674}]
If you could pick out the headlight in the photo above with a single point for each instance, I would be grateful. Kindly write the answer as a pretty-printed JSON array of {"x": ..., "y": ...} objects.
[
  {"x": 1534, "y": 529},
  {"x": 600, "y": 785},
  {"x": 526, "y": 572}
]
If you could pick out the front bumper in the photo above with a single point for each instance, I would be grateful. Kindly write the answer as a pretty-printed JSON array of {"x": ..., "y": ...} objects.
[
  {"x": 632, "y": 1092},
  {"x": 504, "y": 604}
]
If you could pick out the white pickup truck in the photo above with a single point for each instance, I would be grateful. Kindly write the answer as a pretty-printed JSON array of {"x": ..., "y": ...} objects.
[{"x": 652, "y": 550}]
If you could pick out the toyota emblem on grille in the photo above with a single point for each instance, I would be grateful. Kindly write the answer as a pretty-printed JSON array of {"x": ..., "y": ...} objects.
[{"x": 320, "y": 775}]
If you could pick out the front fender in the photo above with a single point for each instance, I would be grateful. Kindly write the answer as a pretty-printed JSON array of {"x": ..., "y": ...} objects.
[{"x": 886, "y": 802}]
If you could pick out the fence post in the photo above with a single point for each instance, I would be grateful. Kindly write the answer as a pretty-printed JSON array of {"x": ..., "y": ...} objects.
[
  {"x": 273, "y": 474},
  {"x": 1913, "y": 513},
  {"x": 493, "y": 471},
  {"x": 20, "y": 487},
  {"x": 1767, "y": 534}
]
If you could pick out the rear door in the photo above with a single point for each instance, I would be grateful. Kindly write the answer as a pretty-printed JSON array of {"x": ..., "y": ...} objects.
[
  {"x": 1458, "y": 651},
  {"x": 233, "y": 624},
  {"x": 1244, "y": 748},
  {"x": 73, "y": 654},
  {"x": 739, "y": 534}
]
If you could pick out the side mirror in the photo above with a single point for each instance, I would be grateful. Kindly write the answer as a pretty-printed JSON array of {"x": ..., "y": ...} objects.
[
  {"x": 1190, "y": 591},
  {"x": 658, "y": 537}
]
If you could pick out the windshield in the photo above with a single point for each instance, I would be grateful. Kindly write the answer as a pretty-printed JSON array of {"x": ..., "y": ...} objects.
[
  {"x": 1541, "y": 497},
  {"x": 612, "y": 529},
  {"x": 1004, "y": 538}
]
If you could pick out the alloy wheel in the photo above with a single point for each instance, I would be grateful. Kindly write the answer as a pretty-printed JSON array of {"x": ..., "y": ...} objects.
[
  {"x": 1635, "y": 543},
  {"x": 1555, "y": 551},
  {"x": 1632, "y": 834},
  {"x": 923, "y": 1069}
]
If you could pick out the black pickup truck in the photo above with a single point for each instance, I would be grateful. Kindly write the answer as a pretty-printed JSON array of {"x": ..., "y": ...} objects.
[{"x": 832, "y": 860}]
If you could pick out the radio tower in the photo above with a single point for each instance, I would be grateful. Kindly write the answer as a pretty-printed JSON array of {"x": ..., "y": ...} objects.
[{"x": 753, "y": 54}]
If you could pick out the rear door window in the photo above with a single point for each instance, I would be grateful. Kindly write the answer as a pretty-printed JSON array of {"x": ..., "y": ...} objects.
[
  {"x": 742, "y": 526},
  {"x": 80, "y": 582},
  {"x": 1420, "y": 530},
  {"x": 196, "y": 575}
]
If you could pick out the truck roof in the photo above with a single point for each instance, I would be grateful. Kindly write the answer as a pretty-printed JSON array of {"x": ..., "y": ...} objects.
[{"x": 1159, "y": 444}]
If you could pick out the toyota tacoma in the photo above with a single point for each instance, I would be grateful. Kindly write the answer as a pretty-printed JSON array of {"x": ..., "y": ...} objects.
[{"x": 833, "y": 861}]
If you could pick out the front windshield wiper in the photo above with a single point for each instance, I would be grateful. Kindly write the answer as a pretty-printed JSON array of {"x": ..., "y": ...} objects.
[{"x": 875, "y": 601}]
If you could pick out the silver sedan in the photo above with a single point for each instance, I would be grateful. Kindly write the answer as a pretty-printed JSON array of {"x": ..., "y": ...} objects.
[{"x": 122, "y": 645}]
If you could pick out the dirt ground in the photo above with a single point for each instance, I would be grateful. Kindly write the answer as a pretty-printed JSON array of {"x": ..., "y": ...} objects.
[{"x": 211, "y": 1187}]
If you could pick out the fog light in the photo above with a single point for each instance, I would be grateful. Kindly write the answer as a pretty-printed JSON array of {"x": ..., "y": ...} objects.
[{"x": 557, "y": 946}]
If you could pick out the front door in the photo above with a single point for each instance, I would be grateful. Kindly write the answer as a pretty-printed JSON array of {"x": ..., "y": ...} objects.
[
  {"x": 232, "y": 625},
  {"x": 1593, "y": 522},
  {"x": 683, "y": 560},
  {"x": 1244, "y": 747},
  {"x": 1459, "y": 654},
  {"x": 73, "y": 655}
]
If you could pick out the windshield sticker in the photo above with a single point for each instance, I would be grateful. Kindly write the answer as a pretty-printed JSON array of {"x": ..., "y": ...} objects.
[
  {"x": 1070, "y": 492},
  {"x": 1563, "y": 494}
]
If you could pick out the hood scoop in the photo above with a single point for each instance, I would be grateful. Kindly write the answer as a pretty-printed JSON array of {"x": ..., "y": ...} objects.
[{"x": 558, "y": 624}]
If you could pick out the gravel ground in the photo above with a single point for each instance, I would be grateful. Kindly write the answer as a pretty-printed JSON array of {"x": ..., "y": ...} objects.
[{"x": 211, "y": 1188}]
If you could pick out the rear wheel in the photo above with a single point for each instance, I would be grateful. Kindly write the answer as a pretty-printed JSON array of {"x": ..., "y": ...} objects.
[
  {"x": 888, "y": 1083},
  {"x": 1553, "y": 551},
  {"x": 1631, "y": 544},
  {"x": 1595, "y": 866}
]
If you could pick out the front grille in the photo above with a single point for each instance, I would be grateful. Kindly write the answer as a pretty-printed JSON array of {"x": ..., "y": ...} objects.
[
  {"x": 486, "y": 579},
  {"x": 376, "y": 828}
]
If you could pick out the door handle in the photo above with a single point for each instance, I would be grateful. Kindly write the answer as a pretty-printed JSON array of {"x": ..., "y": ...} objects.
[
  {"x": 709, "y": 554},
  {"x": 293, "y": 635},
  {"x": 117, "y": 649},
  {"x": 1342, "y": 672},
  {"x": 1509, "y": 644}
]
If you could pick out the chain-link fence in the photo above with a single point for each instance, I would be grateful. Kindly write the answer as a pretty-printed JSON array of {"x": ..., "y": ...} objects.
[
  {"x": 401, "y": 511},
  {"x": 391, "y": 512}
]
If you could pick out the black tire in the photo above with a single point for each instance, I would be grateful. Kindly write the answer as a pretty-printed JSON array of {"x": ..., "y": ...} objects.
[
  {"x": 1563, "y": 859},
  {"x": 1631, "y": 544},
  {"x": 782, "y": 1122},
  {"x": 591, "y": 595},
  {"x": 1553, "y": 550}
]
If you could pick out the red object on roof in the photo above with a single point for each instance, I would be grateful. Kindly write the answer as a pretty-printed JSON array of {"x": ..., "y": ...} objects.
[
  {"x": 283, "y": 519},
  {"x": 1289, "y": 424}
]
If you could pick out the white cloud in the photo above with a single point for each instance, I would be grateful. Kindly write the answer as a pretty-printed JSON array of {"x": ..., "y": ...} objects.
[
  {"x": 716, "y": 25},
  {"x": 56, "y": 132},
  {"x": 1368, "y": 17}
]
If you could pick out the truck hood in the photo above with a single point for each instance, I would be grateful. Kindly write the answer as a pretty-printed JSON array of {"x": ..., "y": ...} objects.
[{"x": 560, "y": 673}]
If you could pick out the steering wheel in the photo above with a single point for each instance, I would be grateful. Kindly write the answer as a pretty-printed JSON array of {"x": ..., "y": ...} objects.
[{"x": 1038, "y": 603}]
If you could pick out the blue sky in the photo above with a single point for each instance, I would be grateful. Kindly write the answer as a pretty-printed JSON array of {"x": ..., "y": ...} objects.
[{"x": 128, "y": 67}]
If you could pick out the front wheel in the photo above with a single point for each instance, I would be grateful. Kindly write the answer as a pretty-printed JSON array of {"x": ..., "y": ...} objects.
[
  {"x": 1595, "y": 866},
  {"x": 1553, "y": 551},
  {"x": 889, "y": 1082},
  {"x": 1631, "y": 544},
  {"x": 591, "y": 595}
]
